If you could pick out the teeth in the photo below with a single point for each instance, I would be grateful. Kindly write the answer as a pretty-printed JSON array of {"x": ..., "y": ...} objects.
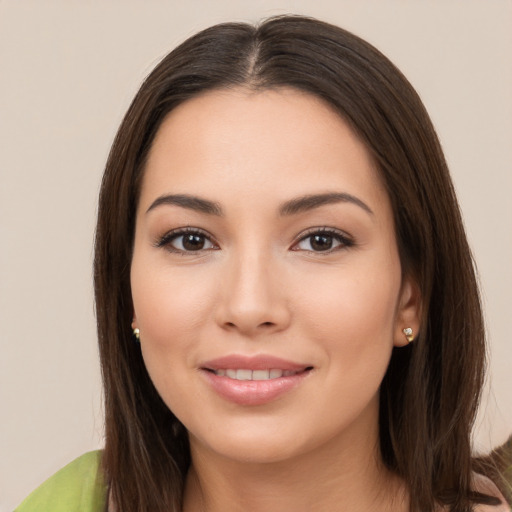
[
  {"x": 243, "y": 374},
  {"x": 260, "y": 374}
]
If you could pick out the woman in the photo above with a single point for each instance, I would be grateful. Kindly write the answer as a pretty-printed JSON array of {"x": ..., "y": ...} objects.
[{"x": 287, "y": 308}]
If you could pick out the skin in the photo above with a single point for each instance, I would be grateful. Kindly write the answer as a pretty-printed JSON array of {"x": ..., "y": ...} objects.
[{"x": 260, "y": 286}]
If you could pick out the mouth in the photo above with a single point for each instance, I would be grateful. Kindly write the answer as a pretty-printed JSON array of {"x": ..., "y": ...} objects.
[
  {"x": 256, "y": 375},
  {"x": 253, "y": 380}
]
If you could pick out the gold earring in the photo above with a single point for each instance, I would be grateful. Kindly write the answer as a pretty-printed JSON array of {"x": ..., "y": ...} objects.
[{"x": 408, "y": 334}]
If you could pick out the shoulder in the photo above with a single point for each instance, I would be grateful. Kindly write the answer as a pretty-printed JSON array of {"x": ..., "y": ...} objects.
[
  {"x": 79, "y": 486},
  {"x": 485, "y": 485}
]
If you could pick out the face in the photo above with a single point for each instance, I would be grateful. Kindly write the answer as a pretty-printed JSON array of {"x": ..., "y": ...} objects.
[{"x": 266, "y": 281}]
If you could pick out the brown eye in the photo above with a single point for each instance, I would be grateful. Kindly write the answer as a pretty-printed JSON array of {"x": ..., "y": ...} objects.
[
  {"x": 193, "y": 242},
  {"x": 186, "y": 242},
  {"x": 323, "y": 241}
]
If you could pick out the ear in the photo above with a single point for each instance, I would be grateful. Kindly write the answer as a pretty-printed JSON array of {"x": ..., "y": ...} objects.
[
  {"x": 134, "y": 321},
  {"x": 135, "y": 329},
  {"x": 408, "y": 313}
]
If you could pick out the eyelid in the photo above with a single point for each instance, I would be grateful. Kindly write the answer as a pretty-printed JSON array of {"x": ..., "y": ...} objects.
[
  {"x": 165, "y": 240},
  {"x": 344, "y": 238}
]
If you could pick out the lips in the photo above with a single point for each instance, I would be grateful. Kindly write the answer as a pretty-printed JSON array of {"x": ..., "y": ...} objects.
[
  {"x": 255, "y": 380},
  {"x": 246, "y": 374}
]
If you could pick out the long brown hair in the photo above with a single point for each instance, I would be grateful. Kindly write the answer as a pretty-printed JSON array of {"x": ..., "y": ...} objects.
[{"x": 430, "y": 393}]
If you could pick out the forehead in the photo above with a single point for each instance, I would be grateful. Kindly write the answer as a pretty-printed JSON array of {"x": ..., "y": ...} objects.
[{"x": 250, "y": 142}]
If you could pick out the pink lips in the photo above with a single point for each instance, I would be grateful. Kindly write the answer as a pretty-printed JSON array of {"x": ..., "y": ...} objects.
[{"x": 222, "y": 375}]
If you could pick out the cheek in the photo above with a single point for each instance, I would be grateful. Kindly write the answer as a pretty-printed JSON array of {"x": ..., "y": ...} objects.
[
  {"x": 170, "y": 309},
  {"x": 359, "y": 306},
  {"x": 167, "y": 302},
  {"x": 353, "y": 319}
]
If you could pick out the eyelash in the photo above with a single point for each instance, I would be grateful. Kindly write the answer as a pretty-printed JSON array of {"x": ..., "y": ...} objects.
[
  {"x": 342, "y": 238},
  {"x": 166, "y": 240},
  {"x": 345, "y": 241}
]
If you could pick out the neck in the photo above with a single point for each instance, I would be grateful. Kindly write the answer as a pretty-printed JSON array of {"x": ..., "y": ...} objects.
[{"x": 354, "y": 479}]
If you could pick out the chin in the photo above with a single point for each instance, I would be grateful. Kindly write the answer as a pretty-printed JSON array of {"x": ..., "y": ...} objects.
[
  {"x": 257, "y": 451},
  {"x": 258, "y": 441}
]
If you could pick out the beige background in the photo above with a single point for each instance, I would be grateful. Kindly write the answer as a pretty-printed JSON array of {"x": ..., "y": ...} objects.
[{"x": 67, "y": 72}]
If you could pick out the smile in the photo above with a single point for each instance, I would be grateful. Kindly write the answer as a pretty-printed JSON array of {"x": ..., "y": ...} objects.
[
  {"x": 253, "y": 380},
  {"x": 246, "y": 374}
]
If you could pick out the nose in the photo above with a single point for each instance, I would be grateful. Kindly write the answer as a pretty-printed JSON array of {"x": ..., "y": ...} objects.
[{"x": 252, "y": 298}]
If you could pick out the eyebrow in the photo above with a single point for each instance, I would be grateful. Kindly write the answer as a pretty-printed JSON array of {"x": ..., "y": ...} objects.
[
  {"x": 310, "y": 202},
  {"x": 291, "y": 207},
  {"x": 187, "y": 201}
]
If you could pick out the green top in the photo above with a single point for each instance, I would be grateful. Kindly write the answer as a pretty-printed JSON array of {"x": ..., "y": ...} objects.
[{"x": 78, "y": 487}]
